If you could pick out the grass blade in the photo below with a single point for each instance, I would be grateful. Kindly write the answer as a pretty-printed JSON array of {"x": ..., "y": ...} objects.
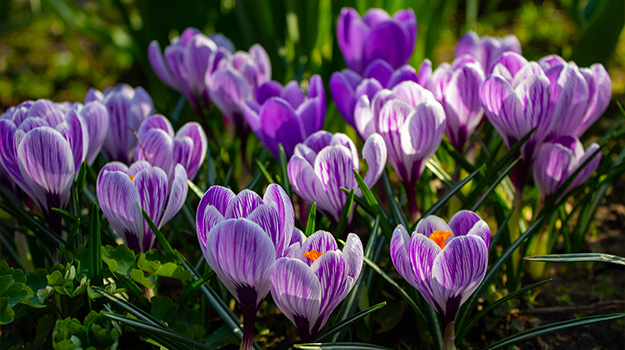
[
  {"x": 196, "y": 190},
  {"x": 492, "y": 187},
  {"x": 310, "y": 223},
  {"x": 286, "y": 185},
  {"x": 345, "y": 213},
  {"x": 338, "y": 346},
  {"x": 96, "y": 273},
  {"x": 581, "y": 257},
  {"x": 347, "y": 322}
]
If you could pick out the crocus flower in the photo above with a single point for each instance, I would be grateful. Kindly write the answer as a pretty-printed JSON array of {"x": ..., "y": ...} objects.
[
  {"x": 412, "y": 124},
  {"x": 376, "y": 36},
  {"x": 241, "y": 236},
  {"x": 457, "y": 88},
  {"x": 159, "y": 146},
  {"x": 309, "y": 285},
  {"x": 188, "y": 63},
  {"x": 324, "y": 163},
  {"x": 237, "y": 80},
  {"x": 445, "y": 263},
  {"x": 123, "y": 191},
  {"x": 283, "y": 115},
  {"x": 42, "y": 149},
  {"x": 347, "y": 86},
  {"x": 95, "y": 116},
  {"x": 486, "y": 49},
  {"x": 558, "y": 159},
  {"x": 127, "y": 108}
]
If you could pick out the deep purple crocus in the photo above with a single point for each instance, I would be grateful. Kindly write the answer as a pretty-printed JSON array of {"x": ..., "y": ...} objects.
[
  {"x": 309, "y": 284},
  {"x": 347, "y": 86},
  {"x": 324, "y": 163},
  {"x": 445, "y": 263},
  {"x": 486, "y": 49},
  {"x": 188, "y": 64},
  {"x": 241, "y": 236},
  {"x": 376, "y": 36},
  {"x": 123, "y": 191},
  {"x": 412, "y": 124},
  {"x": 283, "y": 115},
  {"x": 159, "y": 146},
  {"x": 558, "y": 159},
  {"x": 127, "y": 108}
]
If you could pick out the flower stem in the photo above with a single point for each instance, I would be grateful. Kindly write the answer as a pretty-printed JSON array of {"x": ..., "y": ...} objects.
[
  {"x": 411, "y": 196},
  {"x": 249, "y": 318},
  {"x": 449, "y": 339}
]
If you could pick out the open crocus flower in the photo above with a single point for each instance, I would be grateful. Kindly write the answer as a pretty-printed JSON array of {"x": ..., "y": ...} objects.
[
  {"x": 42, "y": 148},
  {"x": 412, "y": 124},
  {"x": 347, "y": 86},
  {"x": 188, "y": 63},
  {"x": 127, "y": 108},
  {"x": 309, "y": 284},
  {"x": 376, "y": 36},
  {"x": 324, "y": 163},
  {"x": 123, "y": 191},
  {"x": 445, "y": 263},
  {"x": 159, "y": 146},
  {"x": 283, "y": 115},
  {"x": 558, "y": 159},
  {"x": 457, "y": 88},
  {"x": 486, "y": 49}
]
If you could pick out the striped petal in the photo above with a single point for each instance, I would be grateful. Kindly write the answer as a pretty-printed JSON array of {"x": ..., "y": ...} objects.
[
  {"x": 178, "y": 189},
  {"x": 195, "y": 132},
  {"x": 243, "y": 204}
]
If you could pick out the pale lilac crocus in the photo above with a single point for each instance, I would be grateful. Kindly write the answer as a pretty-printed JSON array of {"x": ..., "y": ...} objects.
[
  {"x": 188, "y": 62},
  {"x": 347, "y": 86},
  {"x": 411, "y": 123},
  {"x": 95, "y": 116},
  {"x": 159, "y": 146},
  {"x": 324, "y": 163},
  {"x": 558, "y": 159},
  {"x": 486, "y": 49},
  {"x": 283, "y": 115},
  {"x": 124, "y": 191},
  {"x": 316, "y": 276},
  {"x": 376, "y": 36},
  {"x": 444, "y": 262},
  {"x": 127, "y": 108},
  {"x": 241, "y": 236}
]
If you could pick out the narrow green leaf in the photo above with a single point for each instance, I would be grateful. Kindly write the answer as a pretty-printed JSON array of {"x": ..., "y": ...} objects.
[
  {"x": 347, "y": 210},
  {"x": 96, "y": 273},
  {"x": 310, "y": 223},
  {"x": 159, "y": 235},
  {"x": 29, "y": 220},
  {"x": 191, "y": 289},
  {"x": 494, "y": 185},
  {"x": 67, "y": 215},
  {"x": 196, "y": 190},
  {"x": 265, "y": 173},
  {"x": 581, "y": 257},
  {"x": 366, "y": 193},
  {"x": 347, "y": 322},
  {"x": 551, "y": 328},
  {"x": 338, "y": 346},
  {"x": 459, "y": 158},
  {"x": 283, "y": 171},
  {"x": 81, "y": 178},
  {"x": 397, "y": 213}
]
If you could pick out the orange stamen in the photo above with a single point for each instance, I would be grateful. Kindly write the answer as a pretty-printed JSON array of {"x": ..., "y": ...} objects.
[
  {"x": 313, "y": 255},
  {"x": 132, "y": 177},
  {"x": 440, "y": 237}
]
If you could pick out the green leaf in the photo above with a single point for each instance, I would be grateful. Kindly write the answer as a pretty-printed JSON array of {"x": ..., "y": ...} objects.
[
  {"x": 310, "y": 223},
  {"x": 159, "y": 235},
  {"x": 345, "y": 213},
  {"x": 95, "y": 248},
  {"x": 265, "y": 173},
  {"x": 581, "y": 257},
  {"x": 398, "y": 214},
  {"x": 283, "y": 171},
  {"x": 193, "y": 288},
  {"x": 492, "y": 187},
  {"x": 604, "y": 27},
  {"x": 347, "y": 322},
  {"x": 196, "y": 190},
  {"x": 338, "y": 346},
  {"x": 551, "y": 328},
  {"x": 120, "y": 259}
]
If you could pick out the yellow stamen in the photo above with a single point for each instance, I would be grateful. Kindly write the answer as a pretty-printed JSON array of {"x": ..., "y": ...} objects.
[
  {"x": 132, "y": 177},
  {"x": 313, "y": 255},
  {"x": 440, "y": 237}
]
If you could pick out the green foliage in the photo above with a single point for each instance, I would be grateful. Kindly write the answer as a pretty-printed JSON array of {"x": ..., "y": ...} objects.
[{"x": 95, "y": 332}]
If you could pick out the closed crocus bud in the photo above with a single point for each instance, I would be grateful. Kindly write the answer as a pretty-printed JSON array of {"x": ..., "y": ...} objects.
[
  {"x": 376, "y": 36},
  {"x": 558, "y": 159},
  {"x": 127, "y": 109},
  {"x": 42, "y": 149},
  {"x": 486, "y": 50},
  {"x": 160, "y": 147},
  {"x": 457, "y": 88},
  {"x": 123, "y": 191},
  {"x": 324, "y": 163},
  {"x": 188, "y": 62},
  {"x": 347, "y": 86},
  {"x": 308, "y": 286},
  {"x": 411, "y": 123},
  {"x": 283, "y": 115},
  {"x": 444, "y": 262}
]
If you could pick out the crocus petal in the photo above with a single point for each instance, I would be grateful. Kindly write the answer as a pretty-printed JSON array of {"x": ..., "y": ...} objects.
[
  {"x": 379, "y": 70},
  {"x": 75, "y": 132},
  {"x": 268, "y": 90},
  {"x": 466, "y": 222},
  {"x": 178, "y": 189},
  {"x": 351, "y": 34},
  {"x": 194, "y": 131},
  {"x": 229, "y": 89},
  {"x": 205, "y": 221},
  {"x": 422, "y": 254},
  {"x": 354, "y": 257},
  {"x": 158, "y": 64},
  {"x": 96, "y": 119},
  {"x": 330, "y": 270},
  {"x": 266, "y": 217},
  {"x": 292, "y": 94},
  {"x": 321, "y": 241},
  {"x": 243, "y": 204},
  {"x": 374, "y": 152},
  {"x": 275, "y": 194},
  {"x": 152, "y": 186},
  {"x": 158, "y": 122},
  {"x": 217, "y": 196},
  {"x": 430, "y": 224},
  {"x": 400, "y": 248},
  {"x": 335, "y": 167},
  {"x": 157, "y": 148},
  {"x": 305, "y": 182},
  {"x": 382, "y": 43}
]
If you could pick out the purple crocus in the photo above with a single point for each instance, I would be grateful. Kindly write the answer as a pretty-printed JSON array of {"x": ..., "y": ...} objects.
[
  {"x": 486, "y": 49},
  {"x": 558, "y": 159},
  {"x": 457, "y": 88},
  {"x": 237, "y": 80},
  {"x": 347, "y": 86},
  {"x": 159, "y": 146},
  {"x": 324, "y": 163},
  {"x": 127, "y": 108},
  {"x": 309, "y": 284},
  {"x": 95, "y": 116},
  {"x": 412, "y": 124},
  {"x": 283, "y": 115},
  {"x": 42, "y": 149},
  {"x": 241, "y": 236},
  {"x": 445, "y": 263},
  {"x": 188, "y": 64},
  {"x": 376, "y": 36},
  {"x": 123, "y": 191}
]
